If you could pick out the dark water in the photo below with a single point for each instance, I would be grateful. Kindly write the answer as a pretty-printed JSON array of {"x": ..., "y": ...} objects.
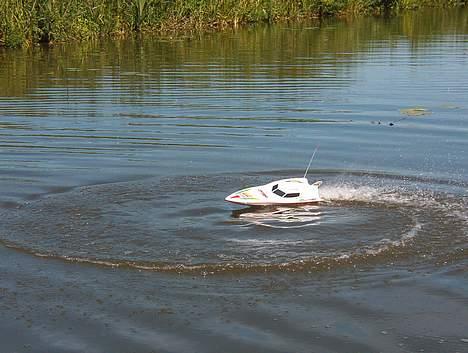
[{"x": 115, "y": 158}]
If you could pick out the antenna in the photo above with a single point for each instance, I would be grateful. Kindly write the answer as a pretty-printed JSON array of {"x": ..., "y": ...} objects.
[{"x": 310, "y": 161}]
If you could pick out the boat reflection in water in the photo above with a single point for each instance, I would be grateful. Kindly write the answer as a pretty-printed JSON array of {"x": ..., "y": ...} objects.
[{"x": 280, "y": 216}]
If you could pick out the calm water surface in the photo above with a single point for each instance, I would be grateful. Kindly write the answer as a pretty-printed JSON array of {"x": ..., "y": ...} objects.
[{"x": 119, "y": 154}]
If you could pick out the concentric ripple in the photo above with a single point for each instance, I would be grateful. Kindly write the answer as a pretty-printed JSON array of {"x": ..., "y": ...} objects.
[{"x": 182, "y": 224}]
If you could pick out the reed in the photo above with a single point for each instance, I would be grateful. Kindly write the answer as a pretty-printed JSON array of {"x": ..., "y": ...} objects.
[{"x": 24, "y": 22}]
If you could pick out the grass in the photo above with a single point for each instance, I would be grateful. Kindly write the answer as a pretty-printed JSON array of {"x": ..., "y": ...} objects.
[{"x": 25, "y": 22}]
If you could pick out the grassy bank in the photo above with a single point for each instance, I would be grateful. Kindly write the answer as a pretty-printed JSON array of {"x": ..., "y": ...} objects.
[{"x": 24, "y": 22}]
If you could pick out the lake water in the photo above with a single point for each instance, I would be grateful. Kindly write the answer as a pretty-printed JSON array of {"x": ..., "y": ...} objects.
[{"x": 116, "y": 156}]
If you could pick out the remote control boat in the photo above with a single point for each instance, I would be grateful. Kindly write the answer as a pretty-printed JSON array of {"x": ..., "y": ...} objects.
[{"x": 293, "y": 191}]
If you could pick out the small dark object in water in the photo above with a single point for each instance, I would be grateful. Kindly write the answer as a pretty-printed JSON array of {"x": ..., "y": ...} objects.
[{"x": 391, "y": 124}]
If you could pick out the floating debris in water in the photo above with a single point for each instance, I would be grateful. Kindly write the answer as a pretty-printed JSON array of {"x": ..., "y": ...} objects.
[{"x": 417, "y": 111}]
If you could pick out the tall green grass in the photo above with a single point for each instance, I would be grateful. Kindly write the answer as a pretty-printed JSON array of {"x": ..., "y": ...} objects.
[{"x": 24, "y": 22}]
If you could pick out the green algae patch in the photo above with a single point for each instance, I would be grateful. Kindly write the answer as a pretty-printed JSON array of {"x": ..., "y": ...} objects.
[{"x": 417, "y": 111}]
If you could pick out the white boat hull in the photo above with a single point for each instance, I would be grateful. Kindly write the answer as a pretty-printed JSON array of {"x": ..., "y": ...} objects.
[{"x": 294, "y": 191}]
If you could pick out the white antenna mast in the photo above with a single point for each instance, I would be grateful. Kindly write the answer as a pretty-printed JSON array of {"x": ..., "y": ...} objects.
[{"x": 310, "y": 161}]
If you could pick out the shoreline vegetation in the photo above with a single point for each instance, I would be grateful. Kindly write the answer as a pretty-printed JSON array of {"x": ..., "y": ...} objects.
[{"x": 27, "y": 22}]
